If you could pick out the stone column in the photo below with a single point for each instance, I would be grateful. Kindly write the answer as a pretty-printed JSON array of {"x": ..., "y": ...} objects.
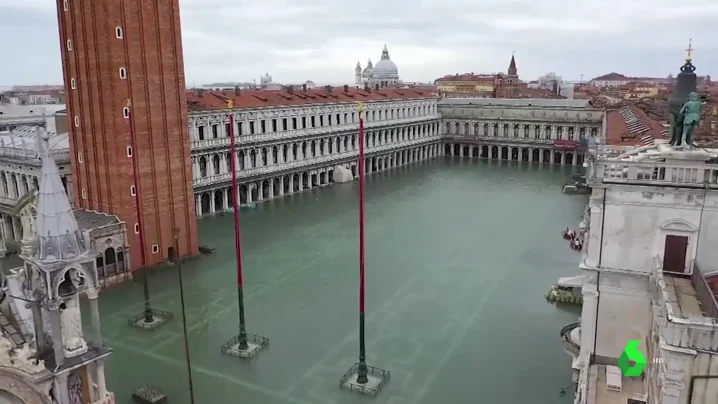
[
  {"x": 16, "y": 228},
  {"x": 61, "y": 390},
  {"x": 588, "y": 323},
  {"x": 198, "y": 203},
  {"x": 101, "y": 384},
  {"x": 92, "y": 294},
  {"x": 211, "y": 201},
  {"x": 53, "y": 310}
]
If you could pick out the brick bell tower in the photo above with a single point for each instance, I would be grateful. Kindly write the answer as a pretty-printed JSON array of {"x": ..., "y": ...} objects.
[{"x": 127, "y": 112}]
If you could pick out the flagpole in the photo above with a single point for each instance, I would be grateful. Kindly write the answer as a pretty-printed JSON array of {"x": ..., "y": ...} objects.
[
  {"x": 242, "y": 338},
  {"x": 362, "y": 377},
  {"x": 184, "y": 315},
  {"x": 239, "y": 345}
]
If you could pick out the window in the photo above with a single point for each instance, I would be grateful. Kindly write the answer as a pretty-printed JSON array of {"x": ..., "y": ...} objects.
[
  {"x": 69, "y": 44},
  {"x": 65, "y": 5},
  {"x": 133, "y": 190},
  {"x": 84, "y": 193},
  {"x": 123, "y": 73},
  {"x": 118, "y": 32},
  {"x": 137, "y": 228},
  {"x": 155, "y": 249},
  {"x": 126, "y": 112},
  {"x": 73, "y": 83},
  {"x": 79, "y": 157},
  {"x": 77, "y": 121},
  {"x": 129, "y": 151}
]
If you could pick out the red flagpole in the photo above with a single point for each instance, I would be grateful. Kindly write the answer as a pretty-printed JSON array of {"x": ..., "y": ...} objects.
[{"x": 362, "y": 370}]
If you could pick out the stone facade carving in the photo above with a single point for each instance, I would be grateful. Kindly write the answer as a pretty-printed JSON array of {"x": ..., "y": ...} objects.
[{"x": 21, "y": 359}]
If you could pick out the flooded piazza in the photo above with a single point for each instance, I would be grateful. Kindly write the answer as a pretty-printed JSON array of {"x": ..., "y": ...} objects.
[{"x": 459, "y": 256}]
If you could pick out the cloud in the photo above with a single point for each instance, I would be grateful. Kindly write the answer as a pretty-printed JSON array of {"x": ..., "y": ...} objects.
[{"x": 321, "y": 40}]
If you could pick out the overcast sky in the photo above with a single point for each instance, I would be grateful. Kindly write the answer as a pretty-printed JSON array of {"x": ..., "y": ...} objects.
[{"x": 321, "y": 40}]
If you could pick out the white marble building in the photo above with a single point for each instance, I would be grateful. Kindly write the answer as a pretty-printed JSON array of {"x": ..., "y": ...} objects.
[
  {"x": 536, "y": 130},
  {"x": 649, "y": 259},
  {"x": 45, "y": 356},
  {"x": 20, "y": 163},
  {"x": 284, "y": 149}
]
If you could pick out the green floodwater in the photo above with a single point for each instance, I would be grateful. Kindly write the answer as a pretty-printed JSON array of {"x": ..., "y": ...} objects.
[{"x": 459, "y": 256}]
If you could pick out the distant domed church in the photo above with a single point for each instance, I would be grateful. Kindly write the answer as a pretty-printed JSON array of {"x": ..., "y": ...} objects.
[{"x": 384, "y": 74}]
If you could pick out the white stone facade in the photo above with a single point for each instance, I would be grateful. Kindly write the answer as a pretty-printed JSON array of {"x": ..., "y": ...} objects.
[
  {"x": 542, "y": 131},
  {"x": 640, "y": 286},
  {"x": 286, "y": 150}
]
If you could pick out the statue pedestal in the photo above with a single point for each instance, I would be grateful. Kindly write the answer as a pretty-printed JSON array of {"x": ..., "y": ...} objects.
[
  {"x": 76, "y": 347},
  {"x": 683, "y": 155}
]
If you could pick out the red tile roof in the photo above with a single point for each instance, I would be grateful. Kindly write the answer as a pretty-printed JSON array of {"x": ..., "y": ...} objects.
[
  {"x": 631, "y": 126},
  {"x": 203, "y": 100}
]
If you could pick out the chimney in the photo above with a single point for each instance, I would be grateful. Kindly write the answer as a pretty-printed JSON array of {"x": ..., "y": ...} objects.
[
  {"x": 346, "y": 88},
  {"x": 237, "y": 91},
  {"x": 200, "y": 92},
  {"x": 366, "y": 87},
  {"x": 304, "y": 87},
  {"x": 328, "y": 88},
  {"x": 376, "y": 86},
  {"x": 290, "y": 90}
]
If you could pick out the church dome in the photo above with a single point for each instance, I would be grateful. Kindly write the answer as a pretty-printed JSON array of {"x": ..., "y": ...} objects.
[{"x": 385, "y": 68}]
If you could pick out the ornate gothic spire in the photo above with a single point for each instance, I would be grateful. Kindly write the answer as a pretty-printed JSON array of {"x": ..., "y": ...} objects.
[{"x": 58, "y": 235}]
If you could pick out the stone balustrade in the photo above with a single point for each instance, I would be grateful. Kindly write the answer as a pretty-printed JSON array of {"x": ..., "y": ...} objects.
[
  {"x": 691, "y": 332},
  {"x": 221, "y": 142},
  {"x": 288, "y": 165},
  {"x": 653, "y": 173}
]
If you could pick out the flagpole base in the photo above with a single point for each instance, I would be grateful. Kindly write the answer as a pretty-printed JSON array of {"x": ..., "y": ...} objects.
[
  {"x": 377, "y": 379},
  {"x": 255, "y": 345},
  {"x": 159, "y": 318}
]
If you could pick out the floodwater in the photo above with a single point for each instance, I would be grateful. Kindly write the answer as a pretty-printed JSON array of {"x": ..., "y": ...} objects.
[{"x": 459, "y": 256}]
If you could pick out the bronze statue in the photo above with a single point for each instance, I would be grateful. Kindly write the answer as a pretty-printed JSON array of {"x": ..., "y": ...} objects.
[{"x": 691, "y": 117}]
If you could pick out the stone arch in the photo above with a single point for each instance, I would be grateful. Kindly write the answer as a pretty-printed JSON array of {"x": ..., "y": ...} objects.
[
  {"x": 215, "y": 164},
  {"x": 18, "y": 384},
  {"x": 89, "y": 279},
  {"x": 202, "y": 166},
  {"x": 678, "y": 224}
]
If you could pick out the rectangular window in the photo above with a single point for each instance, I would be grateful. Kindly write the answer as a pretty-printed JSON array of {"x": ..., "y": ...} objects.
[
  {"x": 240, "y": 127},
  {"x": 65, "y": 5},
  {"x": 73, "y": 84},
  {"x": 126, "y": 112},
  {"x": 215, "y": 130},
  {"x": 133, "y": 190},
  {"x": 129, "y": 151},
  {"x": 313, "y": 121},
  {"x": 77, "y": 121},
  {"x": 69, "y": 44},
  {"x": 304, "y": 122},
  {"x": 251, "y": 128},
  {"x": 284, "y": 124},
  {"x": 200, "y": 132},
  {"x": 263, "y": 125},
  {"x": 274, "y": 125},
  {"x": 84, "y": 193},
  {"x": 294, "y": 123},
  {"x": 137, "y": 228},
  {"x": 118, "y": 33},
  {"x": 123, "y": 73},
  {"x": 155, "y": 249},
  {"x": 321, "y": 120},
  {"x": 79, "y": 157}
]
